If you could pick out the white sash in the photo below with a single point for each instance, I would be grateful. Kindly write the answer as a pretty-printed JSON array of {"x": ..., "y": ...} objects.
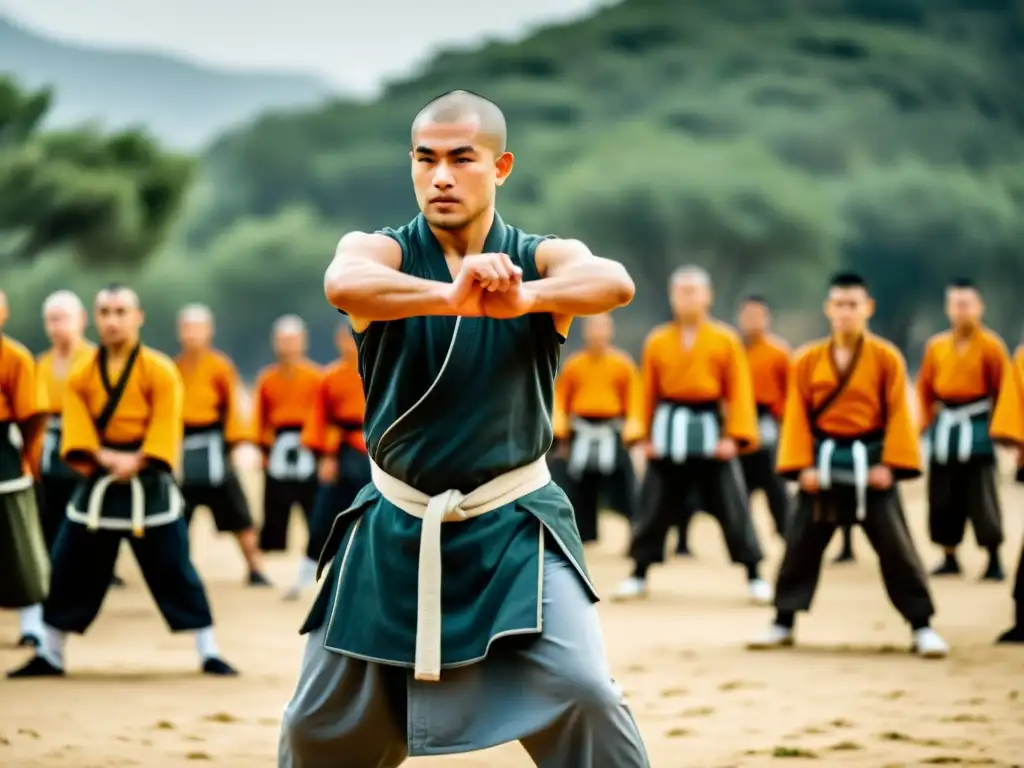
[
  {"x": 14, "y": 448},
  {"x": 828, "y": 477},
  {"x": 961, "y": 417},
  {"x": 448, "y": 507},
  {"x": 768, "y": 430},
  {"x": 670, "y": 433},
  {"x": 590, "y": 439},
  {"x": 212, "y": 441},
  {"x": 289, "y": 459},
  {"x": 139, "y": 519}
]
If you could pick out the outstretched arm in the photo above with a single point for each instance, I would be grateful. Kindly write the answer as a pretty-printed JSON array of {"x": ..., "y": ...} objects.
[
  {"x": 574, "y": 282},
  {"x": 364, "y": 281}
]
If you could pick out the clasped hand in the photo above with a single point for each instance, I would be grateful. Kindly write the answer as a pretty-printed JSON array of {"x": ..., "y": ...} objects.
[
  {"x": 490, "y": 285},
  {"x": 121, "y": 465},
  {"x": 879, "y": 477}
]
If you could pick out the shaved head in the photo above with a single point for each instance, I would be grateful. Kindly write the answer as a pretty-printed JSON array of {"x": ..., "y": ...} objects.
[
  {"x": 690, "y": 293},
  {"x": 466, "y": 108},
  {"x": 64, "y": 319},
  {"x": 118, "y": 316},
  {"x": 65, "y": 301},
  {"x": 195, "y": 327},
  {"x": 289, "y": 324},
  {"x": 195, "y": 313},
  {"x": 122, "y": 294},
  {"x": 289, "y": 338}
]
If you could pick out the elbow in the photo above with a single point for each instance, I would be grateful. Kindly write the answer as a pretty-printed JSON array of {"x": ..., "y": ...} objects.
[
  {"x": 340, "y": 290},
  {"x": 621, "y": 287}
]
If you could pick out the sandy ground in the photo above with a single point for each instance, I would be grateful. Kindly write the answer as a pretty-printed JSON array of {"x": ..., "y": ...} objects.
[{"x": 850, "y": 695}]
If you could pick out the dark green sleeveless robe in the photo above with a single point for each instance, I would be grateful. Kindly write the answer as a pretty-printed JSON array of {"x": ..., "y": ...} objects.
[{"x": 440, "y": 416}]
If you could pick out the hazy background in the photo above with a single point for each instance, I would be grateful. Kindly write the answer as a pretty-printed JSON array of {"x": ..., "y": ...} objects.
[{"x": 216, "y": 150}]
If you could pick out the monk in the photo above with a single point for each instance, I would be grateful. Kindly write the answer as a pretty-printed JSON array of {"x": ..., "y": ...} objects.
[
  {"x": 334, "y": 433},
  {"x": 848, "y": 439},
  {"x": 1008, "y": 428},
  {"x": 24, "y": 565},
  {"x": 957, "y": 388},
  {"x": 700, "y": 415},
  {"x": 598, "y": 415},
  {"x": 459, "y": 319},
  {"x": 215, "y": 429},
  {"x": 121, "y": 430},
  {"x": 285, "y": 393}
]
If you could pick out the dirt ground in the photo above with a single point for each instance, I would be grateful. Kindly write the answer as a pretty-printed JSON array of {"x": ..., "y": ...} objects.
[{"x": 849, "y": 695}]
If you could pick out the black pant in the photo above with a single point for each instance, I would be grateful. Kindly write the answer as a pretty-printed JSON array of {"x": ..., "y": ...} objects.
[
  {"x": 961, "y": 492},
  {"x": 279, "y": 496},
  {"x": 226, "y": 502},
  {"x": 815, "y": 519},
  {"x": 334, "y": 498},
  {"x": 83, "y": 564},
  {"x": 587, "y": 492},
  {"x": 1018, "y": 587},
  {"x": 719, "y": 486},
  {"x": 759, "y": 474},
  {"x": 52, "y": 497}
]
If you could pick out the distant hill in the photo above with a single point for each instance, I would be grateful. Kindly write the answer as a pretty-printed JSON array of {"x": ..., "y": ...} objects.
[{"x": 183, "y": 103}]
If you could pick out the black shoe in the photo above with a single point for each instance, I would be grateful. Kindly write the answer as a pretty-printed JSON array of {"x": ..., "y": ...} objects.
[
  {"x": 116, "y": 581},
  {"x": 950, "y": 567},
  {"x": 217, "y": 666},
  {"x": 1014, "y": 635},
  {"x": 994, "y": 572},
  {"x": 36, "y": 667},
  {"x": 846, "y": 556},
  {"x": 257, "y": 579},
  {"x": 28, "y": 641},
  {"x": 683, "y": 550}
]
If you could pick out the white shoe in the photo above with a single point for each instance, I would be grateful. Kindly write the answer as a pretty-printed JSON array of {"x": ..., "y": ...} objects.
[
  {"x": 631, "y": 589},
  {"x": 775, "y": 637},
  {"x": 761, "y": 592},
  {"x": 928, "y": 644}
]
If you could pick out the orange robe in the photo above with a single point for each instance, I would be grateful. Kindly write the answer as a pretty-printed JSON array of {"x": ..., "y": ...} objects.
[
  {"x": 18, "y": 407},
  {"x": 211, "y": 395},
  {"x": 769, "y": 359},
  {"x": 605, "y": 386},
  {"x": 713, "y": 372},
  {"x": 869, "y": 398},
  {"x": 336, "y": 417},
  {"x": 50, "y": 384},
  {"x": 283, "y": 399},
  {"x": 1008, "y": 418},
  {"x": 953, "y": 376}
]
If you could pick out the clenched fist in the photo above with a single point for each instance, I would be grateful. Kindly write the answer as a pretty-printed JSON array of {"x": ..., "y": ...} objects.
[{"x": 488, "y": 284}]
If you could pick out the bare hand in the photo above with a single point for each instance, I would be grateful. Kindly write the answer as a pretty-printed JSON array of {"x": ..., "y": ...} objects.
[
  {"x": 809, "y": 480},
  {"x": 726, "y": 449},
  {"x": 126, "y": 465},
  {"x": 880, "y": 477},
  {"x": 107, "y": 458},
  {"x": 480, "y": 274},
  {"x": 515, "y": 301},
  {"x": 646, "y": 448},
  {"x": 327, "y": 469}
]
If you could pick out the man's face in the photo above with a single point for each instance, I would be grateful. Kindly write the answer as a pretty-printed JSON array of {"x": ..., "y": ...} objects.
[
  {"x": 118, "y": 317},
  {"x": 690, "y": 297},
  {"x": 64, "y": 324},
  {"x": 753, "y": 319},
  {"x": 598, "y": 331},
  {"x": 289, "y": 344},
  {"x": 848, "y": 309},
  {"x": 194, "y": 333},
  {"x": 455, "y": 174},
  {"x": 964, "y": 307}
]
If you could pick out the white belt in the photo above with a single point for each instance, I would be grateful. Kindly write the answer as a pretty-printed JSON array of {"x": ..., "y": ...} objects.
[
  {"x": 858, "y": 478},
  {"x": 768, "y": 430},
  {"x": 604, "y": 436},
  {"x": 957, "y": 417},
  {"x": 213, "y": 442},
  {"x": 94, "y": 509},
  {"x": 675, "y": 420},
  {"x": 448, "y": 507}
]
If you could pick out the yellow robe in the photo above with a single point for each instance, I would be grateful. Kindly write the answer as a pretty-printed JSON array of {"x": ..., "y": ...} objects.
[
  {"x": 211, "y": 395},
  {"x": 605, "y": 386},
  {"x": 953, "y": 376},
  {"x": 18, "y": 408},
  {"x": 1008, "y": 418}
]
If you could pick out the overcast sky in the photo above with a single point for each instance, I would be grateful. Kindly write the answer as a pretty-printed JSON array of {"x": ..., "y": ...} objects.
[{"x": 354, "y": 44}]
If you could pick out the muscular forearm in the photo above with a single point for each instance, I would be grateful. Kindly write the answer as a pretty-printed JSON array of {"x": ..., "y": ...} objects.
[
  {"x": 590, "y": 288},
  {"x": 374, "y": 292}
]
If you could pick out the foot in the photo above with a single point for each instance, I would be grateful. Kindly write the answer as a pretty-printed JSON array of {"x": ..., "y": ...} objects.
[
  {"x": 846, "y": 556},
  {"x": 994, "y": 572},
  {"x": 29, "y": 641},
  {"x": 217, "y": 666},
  {"x": 37, "y": 666},
  {"x": 775, "y": 637},
  {"x": 1013, "y": 636},
  {"x": 257, "y": 579},
  {"x": 631, "y": 589},
  {"x": 116, "y": 581},
  {"x": 949, "y": 567},
  {"x": 761, "y": 592},
  {"x": 928, "y": 644}
]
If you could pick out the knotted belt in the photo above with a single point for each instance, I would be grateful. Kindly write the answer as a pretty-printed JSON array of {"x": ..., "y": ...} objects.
[
  {"x": 448, "y": 507},
  {"x": 957, "y": 416}
]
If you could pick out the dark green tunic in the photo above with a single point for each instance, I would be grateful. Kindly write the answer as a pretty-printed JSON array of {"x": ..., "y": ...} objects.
[{"x": 439, "y": 416}]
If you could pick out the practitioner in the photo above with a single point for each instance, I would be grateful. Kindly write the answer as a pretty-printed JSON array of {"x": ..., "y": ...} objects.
[
  {"x": 848, "y": 438},
  {"x": 459, "y": 320},
  {"x": 122, "y": 429},
  {"x": 334, "y": 432},
  {"x": 214, "y": 428},
  {"x": 598, "y": 413},
  {"x": 284, "y": 395},
  {"x": 24, "y": 564},
  {"x": 701, "y": 414},
  {"x": 1008, "y": 428},
  {"x": 957, "y": 388}
]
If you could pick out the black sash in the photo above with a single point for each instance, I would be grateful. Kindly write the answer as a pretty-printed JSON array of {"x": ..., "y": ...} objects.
[{"x": 115, "y": 392}]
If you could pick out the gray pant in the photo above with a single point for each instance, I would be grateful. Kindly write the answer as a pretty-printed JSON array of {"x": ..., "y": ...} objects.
[{"x": 553, "y": 694}]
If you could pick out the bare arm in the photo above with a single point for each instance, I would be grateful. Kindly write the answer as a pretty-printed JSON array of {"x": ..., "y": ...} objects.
[
  {"x": 364, "y": 280},
  {"x": 574, "y": 282}
]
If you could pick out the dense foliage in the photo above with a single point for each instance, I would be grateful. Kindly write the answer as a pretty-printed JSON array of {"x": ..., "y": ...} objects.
[{"x": 772, "y": 142}]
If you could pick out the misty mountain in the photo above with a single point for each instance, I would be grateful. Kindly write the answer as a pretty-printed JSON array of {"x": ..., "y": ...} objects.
[{"x": 183, "y": 103}]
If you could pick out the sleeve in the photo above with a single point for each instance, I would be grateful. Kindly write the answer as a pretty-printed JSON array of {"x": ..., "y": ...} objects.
[
  {"x": 43, "y": 402},
  {"x": 997, "y": 362},
  {"x": 80, "y": 443},
  {"x": 924, "y": 387},
  {"x": 740, "y": 404},
  {"x": 162, "y": 443},
  {"x": 1007, "y": 424},
  {"x": 783, "y": 372},
  {"x": 236, "y": 430},
  {"x": 23, "y": 390},
  {"x": 563, "y": 400},
  {"x": 315, "y": 430},
  {"x": 261, "y": 429},
  {"x": 901, "y": 447},
  {"x": 636, "y": 423},
  {"x": 796, "y": 441},
  {"x": 649, "y": 380}
]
